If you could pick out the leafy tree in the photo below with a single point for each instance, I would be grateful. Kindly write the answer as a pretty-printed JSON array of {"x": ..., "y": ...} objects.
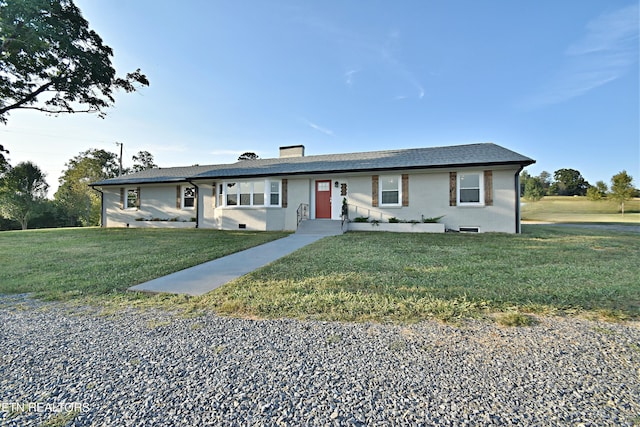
[
  {"x": 545, "y": 179},
  {"x": 598, "y": 191},
  {"x": 533, "y": 189},
  {"x": 524, "y": 177},
  {"x": 5, "y": 223},
  {"x": 537, "y": 189},
  {"x": 51, "y": 61},
  {"x": 4, "y": 164},
  {"x": 23, "y": 188},
  {"x": 602, "y": 188},
  {"x": 142, "y": 161},
  {"x": 593, "y": 194},
  {"x": 9, "y": 224},
  {"x": 81, "y": 202},
  {"x": 50, "y": 214},
  {"x": 621, "y": 188},
  {"x": 569, "y": 182},
  {"x": 248, "y": 156}
]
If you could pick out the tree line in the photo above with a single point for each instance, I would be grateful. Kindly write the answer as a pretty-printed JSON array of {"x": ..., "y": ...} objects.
[
  {"x": 23, "y": 190},
  {"x": 569, "y": 182}
]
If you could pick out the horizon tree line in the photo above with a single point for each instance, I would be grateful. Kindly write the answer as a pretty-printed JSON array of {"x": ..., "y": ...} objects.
[{"x": 569, "y": 182}]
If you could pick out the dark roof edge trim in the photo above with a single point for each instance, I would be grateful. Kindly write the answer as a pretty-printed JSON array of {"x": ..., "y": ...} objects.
[
  {"x": 141, "y": 181},
  {"x": 343, "y": 171}
]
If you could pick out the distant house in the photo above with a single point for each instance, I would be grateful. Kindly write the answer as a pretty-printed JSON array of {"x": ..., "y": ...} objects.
[{"x": 474, "y": 187}]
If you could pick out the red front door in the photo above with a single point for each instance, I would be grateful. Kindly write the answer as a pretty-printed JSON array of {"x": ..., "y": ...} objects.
[{"x": 323, "y": 199}]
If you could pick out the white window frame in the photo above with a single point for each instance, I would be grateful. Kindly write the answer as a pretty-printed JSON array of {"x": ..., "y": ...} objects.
[
  {"x": 269, "y": 193},
  {"x": 126, "y": 198},
  {"x": 460, "y": 176},
  {"x": 381, "y": 179},
  {"x": 245, "y": 188},
  {"x": 182, "y": 196},
  {"x": 226, "y": 192},
  {"x": 266, "y": 193}
]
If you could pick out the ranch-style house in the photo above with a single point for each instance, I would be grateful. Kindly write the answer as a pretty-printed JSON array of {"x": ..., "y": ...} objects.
[{"x": 472, "y": 187}]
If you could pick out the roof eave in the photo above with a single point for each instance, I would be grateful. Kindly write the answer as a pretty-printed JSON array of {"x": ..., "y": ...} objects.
[
  {"x": 140, "y": 181},
  {"x": 360, "y": 170}
]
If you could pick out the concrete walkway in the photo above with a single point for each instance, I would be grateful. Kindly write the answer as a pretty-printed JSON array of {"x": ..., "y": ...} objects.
[{"x": 206, "y": 277}]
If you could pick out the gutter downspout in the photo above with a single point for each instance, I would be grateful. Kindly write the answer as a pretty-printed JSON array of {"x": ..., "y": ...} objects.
[
  {"x": 102, "y": 219},
  {"x": 517, "y": 187},
  {"x": 197, "y": 202}
]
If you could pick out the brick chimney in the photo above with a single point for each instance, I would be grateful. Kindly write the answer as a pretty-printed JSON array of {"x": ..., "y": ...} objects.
[{"x": 292, "y": 151}]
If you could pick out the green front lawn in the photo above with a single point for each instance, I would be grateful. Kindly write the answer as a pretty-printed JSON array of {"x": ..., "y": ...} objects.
[
  {"x": 408, "y": 277},
  {"x": 62, "y": 263},
  {"x": 355, "y": 277}
]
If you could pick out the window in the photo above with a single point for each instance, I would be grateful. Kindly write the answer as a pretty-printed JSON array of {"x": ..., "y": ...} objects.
[
  {"x": 232, "y": 194},
  {"x": 470, "y": 188},
  {"x": 390, "y": 192},
  {"x": 251, "y": 193},
  {"x": 324, "y": 186},
  {"x": 245, "y": 194},
  {"x": 188, "y": 197},
  {"x": 132, "y": 198},
  {"x": 274, "y": 199},
  {"x": 258, "y": 193}
]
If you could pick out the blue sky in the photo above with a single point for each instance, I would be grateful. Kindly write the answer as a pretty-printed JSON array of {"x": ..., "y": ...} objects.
[{"x": 554, "y": 80}]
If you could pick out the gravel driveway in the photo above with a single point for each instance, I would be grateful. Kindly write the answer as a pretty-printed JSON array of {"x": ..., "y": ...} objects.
[{"x": 153, "y": 368}]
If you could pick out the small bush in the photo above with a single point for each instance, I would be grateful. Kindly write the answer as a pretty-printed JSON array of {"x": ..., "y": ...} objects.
[
  {"x": 394, "y": 220},
  {"x": 361, "y": 219},
  {"x": 433, "y": 219}
]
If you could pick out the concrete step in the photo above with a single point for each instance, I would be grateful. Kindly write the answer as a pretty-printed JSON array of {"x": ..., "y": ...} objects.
[{"x": 323, "y": 227}]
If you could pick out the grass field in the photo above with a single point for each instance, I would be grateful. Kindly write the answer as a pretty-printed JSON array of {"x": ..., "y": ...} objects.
[
  {"x": 65, "y": 263},
  {"x": 580, "y": 209},
  {"x": 409, "y": 277},
  {"x": 356, "y": 276}
]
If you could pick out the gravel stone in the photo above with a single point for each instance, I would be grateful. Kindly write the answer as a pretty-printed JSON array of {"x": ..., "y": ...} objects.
[{"x": 155, "y": 368}]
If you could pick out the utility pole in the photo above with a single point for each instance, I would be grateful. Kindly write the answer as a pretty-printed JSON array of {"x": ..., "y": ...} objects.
[{"x": 120, "y": 169}]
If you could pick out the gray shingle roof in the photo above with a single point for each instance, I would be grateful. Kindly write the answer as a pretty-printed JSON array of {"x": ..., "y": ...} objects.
[{"x": 413, "y": 158}]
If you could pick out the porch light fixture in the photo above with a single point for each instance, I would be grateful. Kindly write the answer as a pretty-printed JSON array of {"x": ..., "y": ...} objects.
[{"x": 337, "y": 184}]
